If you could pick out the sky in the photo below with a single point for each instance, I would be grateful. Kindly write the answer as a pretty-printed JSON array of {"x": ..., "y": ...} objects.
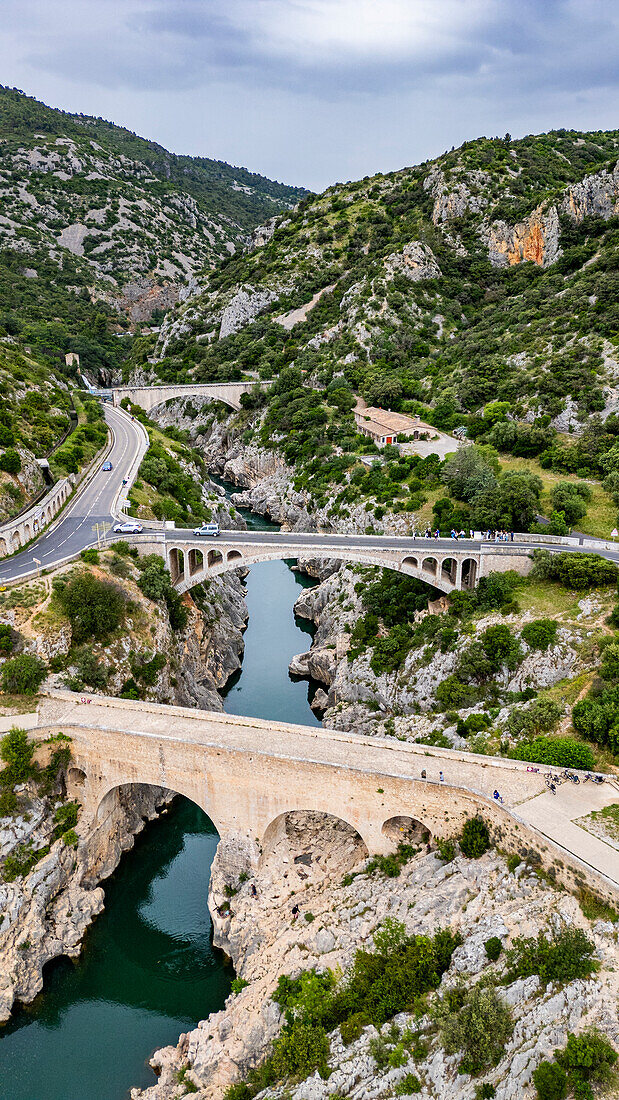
[{"x": 311, "y": 92}]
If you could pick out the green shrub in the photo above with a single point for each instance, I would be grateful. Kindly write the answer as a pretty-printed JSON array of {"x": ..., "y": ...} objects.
[
  {"x": 17, "y": 751},
  {"x": 351, "y": 1029},
  {"x": 95, "y": 608},
  {"x": 493, "y": 948},
  {"x": 446, "y": 849},
  {"x": 479, "y": 1028},
  {"x": 558, "y": 752},
  {"x": 587, "y": 1059},
  {"x": 23, "y": 675},
  {"x": 540, "y": 717},
  {"x": 408, "y": 1085},
  {"x": 580, "y": 571},
  {"x": 65, "y": 818},
  {"x": 540, "y": 633},
  {"x": 475, "y": 838},
  {"x": 10, "y": 461},
  {"x": 550, "y": 1081},
  {"x": 561, "y": 957},
  {"x": 8, "y": 802},
  {"x": 513, "y": 862},
  {"x": 90, "y": 555},
  {"x": 6, "y": 640},
  {"x": 237, "y": 984},
  {"x": 485, "y": 1091}
]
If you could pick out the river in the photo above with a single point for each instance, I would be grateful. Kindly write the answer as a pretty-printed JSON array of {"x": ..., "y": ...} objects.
[{"x": 148, "y": 970}]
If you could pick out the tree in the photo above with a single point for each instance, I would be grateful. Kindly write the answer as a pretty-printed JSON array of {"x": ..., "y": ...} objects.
[
  {"x": 94, "y": 607},
  {"x": 480, "y": 1029},
  {"x": 540, "y": 633},
  {"x": 475, "y": 838},
  {"x": 23, "y": 675},
  {"x": 550, "y": 1081},
  {"x": 609, "y": 669},
  {"x": 10, "y": 461},
  {"x": 17, "y": 752},
  {"x": 495, "y": 411},
  {"x": 512, "y": 505},
  {"x": 571, "y": 499},
  {"x": 467, "y": 474},
  {"x": 501, "y": 647}
]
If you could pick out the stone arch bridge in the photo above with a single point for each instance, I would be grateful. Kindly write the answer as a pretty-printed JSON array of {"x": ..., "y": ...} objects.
[
  {"x": 148, "y": 397},
  {"x": 444, "y": 564},
  {"x": 248, "y": 775}
]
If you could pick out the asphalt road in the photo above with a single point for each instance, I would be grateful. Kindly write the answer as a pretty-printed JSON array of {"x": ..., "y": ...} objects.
[
  {"x": 318, "y": 542},
  {"x": 76, "y": 526}
]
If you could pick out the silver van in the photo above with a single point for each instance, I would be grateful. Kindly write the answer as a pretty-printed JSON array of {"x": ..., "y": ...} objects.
[{"x": 207, "y": 529}]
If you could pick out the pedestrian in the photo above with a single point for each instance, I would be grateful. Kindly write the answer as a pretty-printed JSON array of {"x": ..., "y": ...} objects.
[
  {"x": 423, "y": 773},
  {"x": 441, "y": 777},
  {"x": 254, "y": 892},
  {"x": 511, "y": 536},
  {"x": 295, "y": 912}
]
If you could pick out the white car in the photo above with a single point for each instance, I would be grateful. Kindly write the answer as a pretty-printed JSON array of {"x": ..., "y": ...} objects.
[
  {"x": 128, "y": 529},
  {"x": 207, "y": 529}
]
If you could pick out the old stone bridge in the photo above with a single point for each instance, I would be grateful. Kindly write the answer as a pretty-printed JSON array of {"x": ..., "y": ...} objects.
[
  {"x": 248, "y": 774},
  {"x": 148, "y": 397},
  {"x": 444, "y": 563}
]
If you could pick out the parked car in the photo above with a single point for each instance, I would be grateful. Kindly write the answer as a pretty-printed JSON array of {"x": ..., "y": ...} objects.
[
  {"x": 128, "y": 528},
  {"x": 107, "y": 466},
  {"x": 207, "y": 529}
]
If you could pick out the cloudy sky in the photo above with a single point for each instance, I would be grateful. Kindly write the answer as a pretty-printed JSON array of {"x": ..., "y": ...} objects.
[{"x": 313, "y": 91}]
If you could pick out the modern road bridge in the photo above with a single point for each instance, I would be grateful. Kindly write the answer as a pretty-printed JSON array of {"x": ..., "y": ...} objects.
[
  {"x": 447, "y": 564},
  {"x": 247, "y": 774},
  {"x": 148, "y": 397}
]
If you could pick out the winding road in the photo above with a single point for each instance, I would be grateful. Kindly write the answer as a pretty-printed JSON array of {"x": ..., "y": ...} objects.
[{"x": 75, "y": 528}]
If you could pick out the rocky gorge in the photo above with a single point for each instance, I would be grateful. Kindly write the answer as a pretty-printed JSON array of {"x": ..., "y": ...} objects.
[{"x": 316, "y": 865}]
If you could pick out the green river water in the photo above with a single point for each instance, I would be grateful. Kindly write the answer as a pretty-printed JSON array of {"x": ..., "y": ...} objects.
[{"x": 148, "y": 970}]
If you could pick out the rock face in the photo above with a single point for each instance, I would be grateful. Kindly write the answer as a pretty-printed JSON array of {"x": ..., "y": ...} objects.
[
  {"x": 536, "y": 239},
  {"x": 246, "y": 304},
  {"x": 46, "y": 914},
  {"x": 416, "y": 261},
  {"x": 477, "y": 898},
  {"x": 596, "y": 195}
]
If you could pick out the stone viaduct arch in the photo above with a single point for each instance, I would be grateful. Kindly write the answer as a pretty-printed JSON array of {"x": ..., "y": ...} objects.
[
  {"x": 191, "y": 561},
  {"x": 19, "y": 531},
  {"x": 247, "y": 774}
]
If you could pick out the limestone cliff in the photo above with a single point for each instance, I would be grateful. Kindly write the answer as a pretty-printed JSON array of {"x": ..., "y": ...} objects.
[{"x": 477, "y": 898}]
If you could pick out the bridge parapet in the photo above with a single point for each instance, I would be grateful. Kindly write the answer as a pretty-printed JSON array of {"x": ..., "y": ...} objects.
[{"x": 148, "y": 397}]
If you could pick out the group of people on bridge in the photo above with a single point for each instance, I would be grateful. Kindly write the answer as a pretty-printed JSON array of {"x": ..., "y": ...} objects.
[{"x": 486, "y": 536}]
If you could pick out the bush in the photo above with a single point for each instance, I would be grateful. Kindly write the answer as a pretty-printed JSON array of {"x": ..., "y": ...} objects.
[
  {"x": 540, "y": 633},
  {"x": 564, "y": 956},
  {"x": 90, "y": 555},
  {"x": 475, "y": 838},
  {"x": 17, "y": 752},
  {"x": 237, "y": 984},
  {"x": 550, "y": 1081},
  {"x": 94, "y": 607},
  {"x": 351, "y": 1029},
  {"x": 587, "y": 1058},
  {"x": 8, "y": 802},
  {"x": 493, "y": 948},
  {"x": 23, "y": 675},
  {"x": 557, "y": 752},
  {"x": 479, "y": 1028},
  {"x": 6, "y": 640},
  {"x": 10, "y": 461},
  {"x": 408, "y": 1085},
  {"x": 446, "y": 850},
  {"x": 576, "y": 571},
  {"x": 540, "y": 717}
]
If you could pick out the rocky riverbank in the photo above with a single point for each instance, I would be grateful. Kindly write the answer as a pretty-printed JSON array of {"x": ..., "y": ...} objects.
[
  {"x": 304, "y": 866},
  {"x": 45, "y": 913}
]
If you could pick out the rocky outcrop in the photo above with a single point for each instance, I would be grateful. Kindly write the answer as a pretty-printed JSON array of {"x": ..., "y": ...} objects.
[
  {"x": 416, "y": 261},
  {"x": 595, "y": 196},
  {"x": 535, "y": 239},
  {"x": 453, "y": 198},
  {"x": 477, "y": 898},
  {"x": 243, "y": 308},
  {"x": 45, "y": 914}
]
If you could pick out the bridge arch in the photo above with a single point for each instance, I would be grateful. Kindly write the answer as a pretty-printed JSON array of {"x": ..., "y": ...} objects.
[
  {"x": 112, "y": 794},
  {"x": 307, "y": 841},
  {"x": 226, "y": 557},
  {"x": 405, "y": 829}
]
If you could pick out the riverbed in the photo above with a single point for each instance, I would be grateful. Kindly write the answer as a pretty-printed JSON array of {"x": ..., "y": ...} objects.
[{"x": 148, "y": 970}]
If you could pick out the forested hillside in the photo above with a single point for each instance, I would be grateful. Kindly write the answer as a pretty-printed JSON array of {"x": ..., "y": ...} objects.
[
  {"x": 94, "y": 209},
  {"x": 478, "y": 290}
]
